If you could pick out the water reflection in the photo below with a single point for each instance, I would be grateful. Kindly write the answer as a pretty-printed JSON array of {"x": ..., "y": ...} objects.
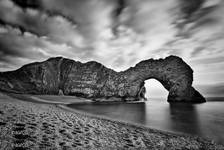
[
  {"x": 184, "y": 118},
  {"x": 205, "y": 119},
  {"x": 135, "y": 112}
]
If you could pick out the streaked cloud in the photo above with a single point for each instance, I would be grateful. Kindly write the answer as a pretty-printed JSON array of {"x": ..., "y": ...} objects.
[{"x": 117, "y": 33}]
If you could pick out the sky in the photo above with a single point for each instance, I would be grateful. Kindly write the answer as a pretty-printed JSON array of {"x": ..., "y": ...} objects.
[{"x": 117, "y": 33}]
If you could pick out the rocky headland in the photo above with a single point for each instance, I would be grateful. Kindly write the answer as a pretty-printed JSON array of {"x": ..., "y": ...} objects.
[{"x": 61, "y": 76}]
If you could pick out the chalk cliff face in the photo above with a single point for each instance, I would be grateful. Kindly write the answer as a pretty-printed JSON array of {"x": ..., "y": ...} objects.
[{"x": 95, "y": 81}]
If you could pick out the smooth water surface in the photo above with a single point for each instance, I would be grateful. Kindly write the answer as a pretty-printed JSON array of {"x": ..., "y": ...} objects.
[{"x": 206, "y": 119}]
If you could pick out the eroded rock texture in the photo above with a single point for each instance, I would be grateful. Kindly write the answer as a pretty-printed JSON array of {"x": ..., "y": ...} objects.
[{"x": 95, "y": 81}]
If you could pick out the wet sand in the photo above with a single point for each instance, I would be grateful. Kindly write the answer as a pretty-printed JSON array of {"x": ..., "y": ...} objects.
[{"x": 29, "y": 125}]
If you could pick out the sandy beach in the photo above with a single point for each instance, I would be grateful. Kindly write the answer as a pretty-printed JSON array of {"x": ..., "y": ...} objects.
[{"x": 30, "y": 125}]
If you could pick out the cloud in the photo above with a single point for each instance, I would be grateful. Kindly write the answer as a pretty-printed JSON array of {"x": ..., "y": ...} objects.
[
  {"x": 32, "y": 34},
  {"x": 14, "y": 44},
  {"x": 17, "y": 48},
  {"x": 212, "y": 90},
  {"x": 36, "y": 4},
  {"x": 94, "y": 17},
  {"x": 40, "y": 23},
  {"x": 117, "y": 33},
  {"x": 153, "y": 21}
]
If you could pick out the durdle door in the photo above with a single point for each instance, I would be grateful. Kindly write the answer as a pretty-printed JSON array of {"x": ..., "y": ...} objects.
[
  {"x": 92, "y": 80},
  {"x": 172, "y": 72}
]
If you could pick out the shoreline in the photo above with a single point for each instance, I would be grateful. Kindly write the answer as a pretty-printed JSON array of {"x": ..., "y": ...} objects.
[
  {"x": 124, "y": 122},
  {"x": 27, "y": 124}
]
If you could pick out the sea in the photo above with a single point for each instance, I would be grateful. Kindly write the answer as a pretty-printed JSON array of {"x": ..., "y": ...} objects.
[{"x": 204, "y": 119}]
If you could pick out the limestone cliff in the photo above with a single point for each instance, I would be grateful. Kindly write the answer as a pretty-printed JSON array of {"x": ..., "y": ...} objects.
[{"x": 93, "y": 80}]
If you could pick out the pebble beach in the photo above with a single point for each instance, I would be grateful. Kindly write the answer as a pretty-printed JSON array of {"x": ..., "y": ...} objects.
[{"x": 29, "y": 125}]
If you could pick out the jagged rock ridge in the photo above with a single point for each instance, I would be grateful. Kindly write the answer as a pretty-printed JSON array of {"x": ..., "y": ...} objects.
[{"x": 93, "y": 80}]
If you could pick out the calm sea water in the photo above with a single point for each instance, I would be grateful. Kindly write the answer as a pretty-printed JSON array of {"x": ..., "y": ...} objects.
[{"x": 206, "y": 119}]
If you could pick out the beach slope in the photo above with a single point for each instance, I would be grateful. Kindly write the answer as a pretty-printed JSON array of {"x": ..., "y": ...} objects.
[{"x": 28, "y": 125}]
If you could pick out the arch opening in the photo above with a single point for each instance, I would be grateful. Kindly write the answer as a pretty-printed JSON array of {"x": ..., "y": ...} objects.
[{"x": 154, "y": 89}]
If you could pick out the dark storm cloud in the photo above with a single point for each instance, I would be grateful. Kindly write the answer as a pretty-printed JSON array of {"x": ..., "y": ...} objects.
[
  {"x": 196, "y": 18},
  {"x": 55, "y": 33},
  {"x": 14, "y": 44},
  {"x": 36, "y": 4},
  {"x": 203, "y": 29},
  {"x": 29, "y": 20},
  {"x": 188, "y": 12},
  {"x": 121, "y": 5},
  {"x": 21, "y": 28},
  {"x": 40, "y": 23},
  {"x": 189, "y": 7},
  {"x": 17, "y": 48}
]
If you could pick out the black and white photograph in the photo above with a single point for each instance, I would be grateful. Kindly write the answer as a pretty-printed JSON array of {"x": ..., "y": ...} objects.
[{"x": 111, "y": 74}]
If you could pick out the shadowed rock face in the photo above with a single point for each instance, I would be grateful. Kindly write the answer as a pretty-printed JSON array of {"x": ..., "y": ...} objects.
[{"x": 95, "y": 81}]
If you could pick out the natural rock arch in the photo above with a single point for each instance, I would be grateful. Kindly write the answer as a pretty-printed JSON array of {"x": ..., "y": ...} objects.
[
  {"x": 95, "y": 81},
  {"x": 172, "y": 72}
]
